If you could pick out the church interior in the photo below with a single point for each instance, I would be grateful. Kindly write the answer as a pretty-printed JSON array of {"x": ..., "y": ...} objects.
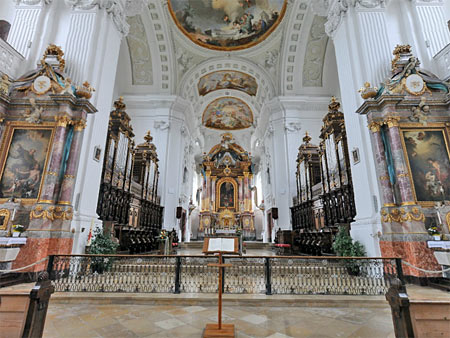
[{"x": 293, "y": 155}]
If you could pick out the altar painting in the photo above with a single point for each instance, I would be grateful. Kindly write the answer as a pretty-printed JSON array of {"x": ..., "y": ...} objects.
[
  {"x": 227, "y": 24},
  {"x": 429, "y": 164},
  {"x": 227, "y": 113},
  {"x": 25, "y": 162},
  {"x": 225, "y": 79},
  {"x": 227, "y": 198}
]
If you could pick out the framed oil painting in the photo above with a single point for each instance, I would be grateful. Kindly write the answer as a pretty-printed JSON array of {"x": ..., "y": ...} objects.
[
  {"x": 428, "y": 160},
  {"x": 227, "y": 24},
  {"x": 227, "y": 79},
  {"x": 226, "y": 195},
  {"x": 227, "y": 113},
  {"x": 27, "y": 152}
]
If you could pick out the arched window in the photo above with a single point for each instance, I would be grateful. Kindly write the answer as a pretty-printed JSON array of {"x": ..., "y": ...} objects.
[{"x": 5, "y": 26}]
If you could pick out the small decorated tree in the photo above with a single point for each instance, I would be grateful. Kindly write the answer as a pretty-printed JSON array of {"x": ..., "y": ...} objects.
[
  {"x": 102, "y": 245},
  {"x": 344, "y": 246}
]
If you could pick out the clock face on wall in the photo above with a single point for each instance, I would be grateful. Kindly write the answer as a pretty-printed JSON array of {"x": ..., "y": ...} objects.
[
  {"x": 414, "y": 84},
  {"x": 227, "y": 24},
  {"x": 41, "y": 85}
]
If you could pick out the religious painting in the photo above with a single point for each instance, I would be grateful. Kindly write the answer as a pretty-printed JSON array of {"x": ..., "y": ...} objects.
[
  {"x": 26, "y": 159},
  {"x": 428, "y": 160},
  {"x": 227, "y": 113},
  {"x": 225, "y": 79},
  {"x": 226, "y": 195},
  {"x": 227, "y": 24}
]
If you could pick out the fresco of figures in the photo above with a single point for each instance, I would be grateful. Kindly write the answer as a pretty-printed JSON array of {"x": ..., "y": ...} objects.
[
  {"x": 227, "y": 80},
  {"x": 25, "y": 163},
  {"x": 428, "y": 159},
  {"x": 227, "y": 113},
  {"x": 227, "y": 24}
]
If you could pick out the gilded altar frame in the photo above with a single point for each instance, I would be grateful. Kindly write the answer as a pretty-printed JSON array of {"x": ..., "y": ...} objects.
[
  {"x": 235, "y": 192},
  {"x": 444, "y": 128},
  {"x": 5, "y": 213},
  {"x": 11, "y": 127}
]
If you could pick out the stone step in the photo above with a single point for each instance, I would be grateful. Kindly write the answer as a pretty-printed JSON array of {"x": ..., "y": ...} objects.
[
  {"x": 248, "y": 245},
  {"x": 211, "y": 299}
]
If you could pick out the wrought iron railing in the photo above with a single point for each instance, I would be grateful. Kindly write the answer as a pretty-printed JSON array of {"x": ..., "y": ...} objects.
[{"x": 248, "y": 274}]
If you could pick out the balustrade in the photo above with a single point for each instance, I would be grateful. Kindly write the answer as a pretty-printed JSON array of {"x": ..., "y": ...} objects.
[{"x": 248, "y": 274}]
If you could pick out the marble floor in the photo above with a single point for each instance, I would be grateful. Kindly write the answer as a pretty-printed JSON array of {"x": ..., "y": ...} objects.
[{"x": 121, "y": 320}]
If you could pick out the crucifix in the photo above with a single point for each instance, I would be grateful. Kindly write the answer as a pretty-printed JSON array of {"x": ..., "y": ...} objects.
[{"x": 220, "y": 246}]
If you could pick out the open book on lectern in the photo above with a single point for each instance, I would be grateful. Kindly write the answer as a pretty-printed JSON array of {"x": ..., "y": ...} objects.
[{"x": 224, "y": 245}]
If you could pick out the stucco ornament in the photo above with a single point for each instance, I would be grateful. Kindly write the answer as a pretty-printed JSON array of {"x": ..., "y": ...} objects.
[
  {"x": 271, "y": 59},
  {"x": 141, "y": 61},
  {"x": 315, "y": 53},
  {"x": 293, "y": 126},
  {"x": 184, "y": 60},
  {"x": 115, "y": 8},
  {"x": 338, "y": 8},
  {"x": 32, "y": 2},
  {"x": 162, "y": 125}
]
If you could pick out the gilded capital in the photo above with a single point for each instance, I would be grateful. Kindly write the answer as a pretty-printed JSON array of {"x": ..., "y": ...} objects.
[
  {"x": 63, "y": 120},
  {"x": 80, "y": 125},
  {"x": 374, "y": 126},
  {"x": 392, "y": 121}
]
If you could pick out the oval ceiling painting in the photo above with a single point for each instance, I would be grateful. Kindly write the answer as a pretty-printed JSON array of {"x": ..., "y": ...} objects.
[
  {"x": 227, "y": 24},
  {"x": 227, "y": 79},
  {"x": 227, "y": 113}
]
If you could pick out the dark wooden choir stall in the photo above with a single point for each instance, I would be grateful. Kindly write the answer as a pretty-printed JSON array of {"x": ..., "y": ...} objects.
[
  {"x": 325, "y": 197},
  {"x": 128, "y": 202}
]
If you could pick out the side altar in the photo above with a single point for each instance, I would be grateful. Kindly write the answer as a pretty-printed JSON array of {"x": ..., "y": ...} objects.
[{"x": 226, "y": 199}]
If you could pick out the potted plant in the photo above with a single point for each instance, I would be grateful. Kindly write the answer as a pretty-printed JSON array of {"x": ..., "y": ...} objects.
[
  {"x": 17, "y": 230},
  {"x": 344, "y": 246},
  {"x": 434, "y": 231},
  {"x": 102, "y": 245},
  {"x": 163, "y": 239}
]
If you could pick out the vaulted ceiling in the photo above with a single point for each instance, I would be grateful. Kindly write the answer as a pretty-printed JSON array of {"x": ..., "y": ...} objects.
[{"x": 158, "y": 57}]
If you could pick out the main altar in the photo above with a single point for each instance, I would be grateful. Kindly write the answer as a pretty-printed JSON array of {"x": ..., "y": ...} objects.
[{"x": 226, "y": 193}]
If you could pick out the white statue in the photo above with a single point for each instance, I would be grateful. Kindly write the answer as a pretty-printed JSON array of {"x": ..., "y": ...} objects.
[{"x": 35, "y": 115}]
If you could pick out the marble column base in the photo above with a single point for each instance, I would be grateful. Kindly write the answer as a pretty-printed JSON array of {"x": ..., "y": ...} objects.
[
  {"x": 38, "y": 248},
  {"x": 414, "y": 252}
]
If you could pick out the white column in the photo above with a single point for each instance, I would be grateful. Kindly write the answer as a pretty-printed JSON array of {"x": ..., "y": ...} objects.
[
  {"x": 27, "y": 23},
  {"x": 280, "y": 173},
  {"x": 360, "y": 35},
  {"x": 432, "y": 24},
  {"x": 90, "y": 37}
]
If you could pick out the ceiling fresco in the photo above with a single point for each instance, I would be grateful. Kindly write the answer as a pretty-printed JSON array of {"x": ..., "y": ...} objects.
[
  {"x": 227, "y": 24},
  {"x": 227, "y": 113},
  {"x": 224, "y": 79}
]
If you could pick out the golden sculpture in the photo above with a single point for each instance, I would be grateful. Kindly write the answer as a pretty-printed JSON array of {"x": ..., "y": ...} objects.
[{"x": 400, "y": 215}]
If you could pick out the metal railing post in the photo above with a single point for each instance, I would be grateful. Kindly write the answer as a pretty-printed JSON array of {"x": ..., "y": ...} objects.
[
  {"x": 51, "y": 260},
  {"x": 398, "y": 263},
  {"x": 268, "y": 277},
  {"x": 177, "y": 275}
]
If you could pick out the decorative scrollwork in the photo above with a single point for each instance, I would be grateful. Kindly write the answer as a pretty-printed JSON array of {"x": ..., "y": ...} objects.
[
  {"x": 400, "y": 215},
  {"x": 52, "y": 213}
]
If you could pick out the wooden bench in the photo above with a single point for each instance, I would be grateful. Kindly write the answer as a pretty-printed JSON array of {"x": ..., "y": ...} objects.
[
  {"x": 13, "y": 312},
  {"x": 430, "y": 318},
  {"x": 419, "y": 318},
  {"x": 23, "y": 311}
]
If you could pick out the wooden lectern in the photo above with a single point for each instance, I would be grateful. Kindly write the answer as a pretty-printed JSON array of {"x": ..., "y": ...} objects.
[{"x": 220, "y": 246}]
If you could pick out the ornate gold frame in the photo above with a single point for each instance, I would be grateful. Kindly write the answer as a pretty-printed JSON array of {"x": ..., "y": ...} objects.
[
  {"x": 413, "y": 127},
  {"x": 227, "y": 97},
  {"x": 6, "y": 144},
  {"x": 227, "y": 70},
  {"x": 218, "y": 185},
  {"x": 247, "y": 45},
  {"x": 7, "y": 214}
]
